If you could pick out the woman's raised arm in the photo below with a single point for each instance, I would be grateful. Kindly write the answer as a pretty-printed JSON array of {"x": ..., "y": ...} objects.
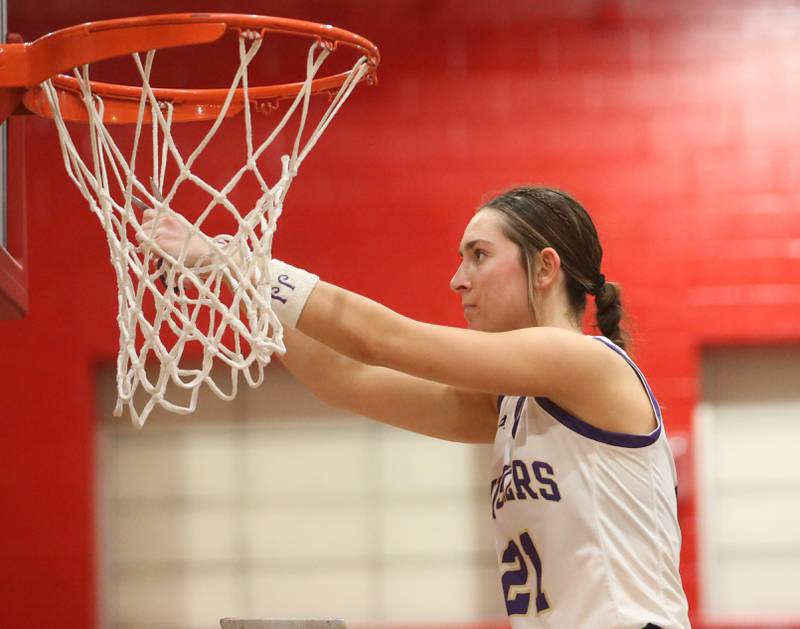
[{"x": 394, "y": 398}]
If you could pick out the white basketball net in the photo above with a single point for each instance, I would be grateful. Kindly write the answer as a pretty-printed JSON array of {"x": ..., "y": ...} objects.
[{"x": 241, "y": 330}]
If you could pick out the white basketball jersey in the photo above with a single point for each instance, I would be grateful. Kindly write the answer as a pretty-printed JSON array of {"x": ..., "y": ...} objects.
[{"x": 585, "y": 520}]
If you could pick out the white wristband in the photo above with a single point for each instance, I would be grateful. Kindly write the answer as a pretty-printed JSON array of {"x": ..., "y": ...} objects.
[{"x": 290, "y": 288}]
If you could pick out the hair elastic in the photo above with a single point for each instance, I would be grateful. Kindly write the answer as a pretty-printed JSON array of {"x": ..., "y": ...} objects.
[{"x": 601, "y": 281}]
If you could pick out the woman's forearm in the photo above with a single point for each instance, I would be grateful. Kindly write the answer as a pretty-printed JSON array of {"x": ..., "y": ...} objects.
[
  {"x": 349, "y": 323},
  {"x": 325, "y": 372}
]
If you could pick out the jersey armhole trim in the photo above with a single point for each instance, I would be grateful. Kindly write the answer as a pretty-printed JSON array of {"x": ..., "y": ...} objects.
[
  {"x": 620, "y": 439},
  {"x": 653, "y": 402}
]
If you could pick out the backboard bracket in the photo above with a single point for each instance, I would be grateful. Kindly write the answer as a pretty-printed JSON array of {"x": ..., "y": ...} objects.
[{"x": 14, "y": 255}]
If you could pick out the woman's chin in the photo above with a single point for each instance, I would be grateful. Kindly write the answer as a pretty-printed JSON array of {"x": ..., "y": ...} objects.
[
  {"x": 478, "y": 326},
  {"x": 477, "y": 323}
]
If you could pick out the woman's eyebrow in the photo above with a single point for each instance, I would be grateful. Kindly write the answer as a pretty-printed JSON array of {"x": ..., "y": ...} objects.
[{"x": 471, "y": 245}]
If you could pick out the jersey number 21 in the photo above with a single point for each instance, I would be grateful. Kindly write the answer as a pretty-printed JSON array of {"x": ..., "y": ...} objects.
[{"x": 517, "y": 575}]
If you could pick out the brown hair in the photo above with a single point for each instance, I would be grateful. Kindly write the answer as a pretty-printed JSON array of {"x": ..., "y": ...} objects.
[{"x": 538, "y": 217}]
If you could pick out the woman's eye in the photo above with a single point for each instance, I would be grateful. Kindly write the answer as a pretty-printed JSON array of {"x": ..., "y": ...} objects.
[{"x": 479, "y": 254}]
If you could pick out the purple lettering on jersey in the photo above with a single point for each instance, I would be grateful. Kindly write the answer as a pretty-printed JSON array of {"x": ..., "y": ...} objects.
[
  {"x": 515, "y": 483},
  {"x": 500, "y": 490},
  {"x": 495, "y": 497},
  {"x": 539, "y": 469},
  {"x": 522, "y": 481},
  {"x": 508, "y": 493}
]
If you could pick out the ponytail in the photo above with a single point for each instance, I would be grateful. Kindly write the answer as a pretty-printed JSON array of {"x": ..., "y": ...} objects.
[{"x": 610, "y": 313}]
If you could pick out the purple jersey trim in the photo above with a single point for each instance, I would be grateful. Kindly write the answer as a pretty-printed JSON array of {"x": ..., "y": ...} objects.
[
  {"x": 619, "y": 351},
  {"x": 500, "y": 399},
  {"x": 517, "y": 416},
  {"x": 621, "y": 439}
]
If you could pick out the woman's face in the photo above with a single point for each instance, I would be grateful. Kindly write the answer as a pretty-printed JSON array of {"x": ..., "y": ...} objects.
[{"x": 491, "y": 280}]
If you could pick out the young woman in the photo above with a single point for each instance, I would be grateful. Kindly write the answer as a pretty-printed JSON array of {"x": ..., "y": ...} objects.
[{"x": 583, "y": 494}]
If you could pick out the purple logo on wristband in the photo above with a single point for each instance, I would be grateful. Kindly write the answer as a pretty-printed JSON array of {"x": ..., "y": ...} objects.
[
  {"x": 276, "y": 294},
  {"x": 284, "y": 279},
  {"x": 276, "y": 290}
]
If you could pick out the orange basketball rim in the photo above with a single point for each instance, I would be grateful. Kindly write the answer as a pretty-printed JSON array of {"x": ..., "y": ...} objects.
[{"x": 23, "y": 66}]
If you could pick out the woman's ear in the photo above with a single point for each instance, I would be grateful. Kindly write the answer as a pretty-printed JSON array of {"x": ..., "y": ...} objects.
[{"x": 548, "y": 266}]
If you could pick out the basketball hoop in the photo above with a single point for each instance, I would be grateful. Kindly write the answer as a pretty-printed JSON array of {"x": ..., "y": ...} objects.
[{"x": 222, "y": 309}]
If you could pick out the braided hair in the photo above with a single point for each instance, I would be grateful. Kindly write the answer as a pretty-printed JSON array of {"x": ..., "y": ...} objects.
[{"x": 538, "y": 217}]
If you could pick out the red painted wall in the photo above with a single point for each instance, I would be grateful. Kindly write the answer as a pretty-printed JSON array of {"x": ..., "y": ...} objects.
[{"x": 675, "y": 123}]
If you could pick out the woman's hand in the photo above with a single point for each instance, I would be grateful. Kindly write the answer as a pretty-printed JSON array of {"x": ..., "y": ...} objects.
[{"x": 171, "y": 235}]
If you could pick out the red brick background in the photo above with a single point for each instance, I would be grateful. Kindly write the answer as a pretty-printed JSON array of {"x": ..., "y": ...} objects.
[{"x": 677, "y": 124}]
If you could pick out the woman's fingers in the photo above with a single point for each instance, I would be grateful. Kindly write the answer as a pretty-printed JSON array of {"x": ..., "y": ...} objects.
[
  {"x": 166, "y": 231},
  {"x": 171, "y": 237}
]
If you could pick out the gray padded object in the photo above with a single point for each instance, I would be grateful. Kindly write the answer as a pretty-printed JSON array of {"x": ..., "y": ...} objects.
[{"x": 238, "y": 623}]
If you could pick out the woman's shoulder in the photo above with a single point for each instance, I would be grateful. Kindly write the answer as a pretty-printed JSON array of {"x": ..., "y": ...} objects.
[{"x": 610, "y": 391}]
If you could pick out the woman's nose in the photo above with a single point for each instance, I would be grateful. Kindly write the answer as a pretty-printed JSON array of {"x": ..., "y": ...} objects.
[{"x": 459, "y": 281}]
